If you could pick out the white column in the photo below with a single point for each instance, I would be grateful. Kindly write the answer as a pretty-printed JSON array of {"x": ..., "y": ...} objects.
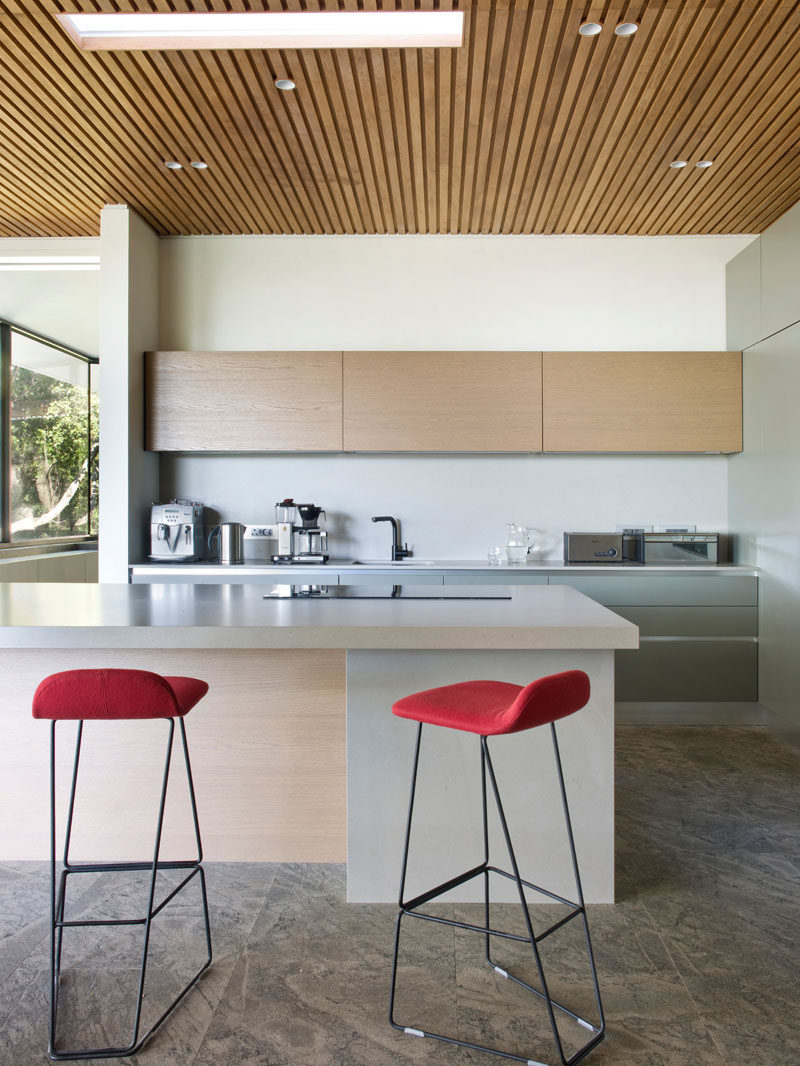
[{"x": 128, "y": 328}]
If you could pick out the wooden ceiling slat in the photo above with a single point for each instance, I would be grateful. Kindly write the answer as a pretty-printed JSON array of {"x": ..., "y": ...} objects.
[
  {"x": 617, "y": 129},
  {"x": 768, "y": 90},
  {"x": 69, "y": 111},
  {"x": 590, "y": 86},
  {"x": 496, "y": 153},
  {"x": 270, "y": 135},
  {"x": 553, "y": 68},
  {"x": 716, "y": 76},
  {"x": 526, "y": 128},
  {"x": 711, "y": 29}
]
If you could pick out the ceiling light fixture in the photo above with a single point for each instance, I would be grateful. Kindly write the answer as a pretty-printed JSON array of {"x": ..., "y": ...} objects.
[
  {"x": 285, "y": 84},
  {"x": 173, "y": 164},
  {"x": 198, "y": 165},
  {"x": 704, "y": 163},
  {"x": 272, "y": 29},
  {"x": 678, "y": 164},
  {"x": 626, "y": 29},
  {"x": 589, "y": 29}
]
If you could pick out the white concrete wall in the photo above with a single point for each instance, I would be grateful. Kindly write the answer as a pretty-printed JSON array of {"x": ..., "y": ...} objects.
[
  {"x": 61, "y": 304},
  {"x": 517, "y": 293},
  {"x": 764, "y": 495}
]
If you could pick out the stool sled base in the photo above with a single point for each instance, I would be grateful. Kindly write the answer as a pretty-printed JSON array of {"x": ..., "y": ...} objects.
[
  {"x": 58, "y": 889},
  {"x": 410, "y": 909}
]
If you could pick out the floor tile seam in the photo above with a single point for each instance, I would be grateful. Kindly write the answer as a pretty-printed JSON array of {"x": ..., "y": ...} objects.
[
  {"x": 719, "y": 1048},
  {"x": 214, "y": 1010}
]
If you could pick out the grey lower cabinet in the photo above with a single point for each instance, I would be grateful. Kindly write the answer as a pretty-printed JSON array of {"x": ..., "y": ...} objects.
[{"x": 698, "y": 654}]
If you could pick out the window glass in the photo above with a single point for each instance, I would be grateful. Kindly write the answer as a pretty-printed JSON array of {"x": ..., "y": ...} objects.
[{"x": 54, "y": 443}]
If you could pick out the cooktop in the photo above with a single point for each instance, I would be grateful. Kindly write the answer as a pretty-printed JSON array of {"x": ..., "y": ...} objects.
[{"x": 385, "y": 592}]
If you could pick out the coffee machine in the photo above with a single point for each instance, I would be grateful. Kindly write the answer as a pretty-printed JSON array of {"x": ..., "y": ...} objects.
[
  {"x": 302, "y": 537},
  {"x": 176, "y": 532}
]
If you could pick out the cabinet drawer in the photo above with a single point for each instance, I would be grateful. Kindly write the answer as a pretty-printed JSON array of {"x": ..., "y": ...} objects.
[
  {"x": 645, "y": 590},
  {"x": 678, "y": 671},
  {"x": 399, "y": 576},
  {"x": 692, "y": 621},
  {"x": 492, "y": 577}
]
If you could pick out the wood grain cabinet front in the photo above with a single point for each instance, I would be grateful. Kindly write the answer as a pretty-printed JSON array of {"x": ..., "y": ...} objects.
[
  {"x": 244, "y": 401},
  {"x": 442, "y": 401},
  {"x": 642, "y": 401}
]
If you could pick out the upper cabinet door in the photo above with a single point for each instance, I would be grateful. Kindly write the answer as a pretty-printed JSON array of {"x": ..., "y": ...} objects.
[
  {"x": 244, "y": 401},
  {"x": 642, "y": 401},
  {"x": 443, "y": 401}
]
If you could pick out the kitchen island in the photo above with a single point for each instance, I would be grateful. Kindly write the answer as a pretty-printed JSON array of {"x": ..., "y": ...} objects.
[{"x": 297, "y": 756}]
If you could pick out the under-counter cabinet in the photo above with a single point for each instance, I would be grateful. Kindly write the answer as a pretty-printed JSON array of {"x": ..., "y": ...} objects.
[
  {"x": 442, "y": 401},
  {"x": 642, "y": 401},
  {"x": 244, "y": 401}
]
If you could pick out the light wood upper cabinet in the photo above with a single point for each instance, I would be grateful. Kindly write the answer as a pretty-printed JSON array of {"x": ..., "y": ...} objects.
[
  {"x": 642, "y": 401},
  {"x": 442, "y": 401},
  {"x": 244, "y": 401}
]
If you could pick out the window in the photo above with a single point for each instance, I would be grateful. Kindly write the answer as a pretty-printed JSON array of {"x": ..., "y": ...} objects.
[{"x": 50, "y": 439}]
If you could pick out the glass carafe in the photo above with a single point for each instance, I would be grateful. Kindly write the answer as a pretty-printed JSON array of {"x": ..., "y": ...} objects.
[{"x": 518, "y": 542}]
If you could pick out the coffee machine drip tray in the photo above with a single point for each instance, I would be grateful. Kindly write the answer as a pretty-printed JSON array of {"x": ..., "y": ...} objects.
[{"x": 385, "y": 592}]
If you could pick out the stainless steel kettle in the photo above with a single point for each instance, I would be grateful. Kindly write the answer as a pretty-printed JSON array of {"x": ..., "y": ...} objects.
[{"x": 230, "y": 543}]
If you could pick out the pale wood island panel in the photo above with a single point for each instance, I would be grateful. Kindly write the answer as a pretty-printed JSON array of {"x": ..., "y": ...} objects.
[
  {"x": 442, "y": 401},
  {"x": 244, "y": 401},
  {"x": 267, "y": 745},
  {"x": 642, "y": 401}
]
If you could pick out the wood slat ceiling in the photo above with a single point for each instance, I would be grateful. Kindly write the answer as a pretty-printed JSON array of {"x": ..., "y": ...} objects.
[{"x": 528, "y": 128}]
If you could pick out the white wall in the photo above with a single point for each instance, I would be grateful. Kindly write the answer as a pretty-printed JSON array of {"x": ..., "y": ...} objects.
[
  {"x": 61, "y": 304},
  {"x": 516, "y": 293},
  {"x": 764, "y": 501}
]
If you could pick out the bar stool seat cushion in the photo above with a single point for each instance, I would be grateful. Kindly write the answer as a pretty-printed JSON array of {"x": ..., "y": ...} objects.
[
  {"x": 115, "y": 694},
  {"x": 491, "y": 708}
]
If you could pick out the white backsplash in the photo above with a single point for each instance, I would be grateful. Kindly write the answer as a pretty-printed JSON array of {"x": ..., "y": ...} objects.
[{"x": 456, "y": 507}]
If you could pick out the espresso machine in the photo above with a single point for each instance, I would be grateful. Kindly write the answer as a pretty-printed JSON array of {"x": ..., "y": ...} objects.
[
  {"x": 302, "y": 537},
  {"x": 176, "y": 531}
]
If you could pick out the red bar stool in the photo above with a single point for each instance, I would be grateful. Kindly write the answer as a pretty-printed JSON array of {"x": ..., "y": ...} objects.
[
  {"x": 494, "y": 708},
  {"x": 93, "y": 695}
]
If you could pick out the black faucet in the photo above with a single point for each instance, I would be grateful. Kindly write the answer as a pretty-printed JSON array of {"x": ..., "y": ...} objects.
[{"x": 398, "y": 551}]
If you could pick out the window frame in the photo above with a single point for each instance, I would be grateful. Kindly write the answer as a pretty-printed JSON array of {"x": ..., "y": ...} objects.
[{"x": 7, "y": 330}]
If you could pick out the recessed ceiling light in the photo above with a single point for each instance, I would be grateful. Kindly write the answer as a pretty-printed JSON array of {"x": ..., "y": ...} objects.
[
  {"x": 172, "y": 164},
  {"x": 677, "y": 164},
  {"x": 266, "y": 29},
  {"x": 284, "y": 84},
  {"x": 198, "y": 165},
  {"x": 589, "y": 29},
  {"x": 626, "y": 29},
  {"x": 704, "y": 163}
]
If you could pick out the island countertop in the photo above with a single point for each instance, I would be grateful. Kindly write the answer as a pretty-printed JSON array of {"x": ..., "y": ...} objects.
[{"x": 238, "y": 616}]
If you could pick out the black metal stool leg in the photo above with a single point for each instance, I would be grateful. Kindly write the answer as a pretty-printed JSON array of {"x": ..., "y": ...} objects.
[
  {"x": 58, "y": 922},
  {"x": 403, "y": 871},
  {"x": 410, "y": 908}
]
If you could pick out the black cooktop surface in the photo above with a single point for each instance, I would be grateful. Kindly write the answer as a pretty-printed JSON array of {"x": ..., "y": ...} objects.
[{"x": 385, "y": 592}]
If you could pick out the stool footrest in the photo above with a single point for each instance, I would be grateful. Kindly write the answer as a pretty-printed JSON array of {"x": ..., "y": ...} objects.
[{"x": 445, "y": 886}]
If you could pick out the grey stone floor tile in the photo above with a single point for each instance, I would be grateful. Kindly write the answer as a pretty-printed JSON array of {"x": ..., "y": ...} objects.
[{"x": 697, "y": 961}]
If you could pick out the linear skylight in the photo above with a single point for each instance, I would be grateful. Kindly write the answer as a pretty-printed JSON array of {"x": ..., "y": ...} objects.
[
  {"x": 49, "y": 262},
  {"x": 278, "y": 29}
]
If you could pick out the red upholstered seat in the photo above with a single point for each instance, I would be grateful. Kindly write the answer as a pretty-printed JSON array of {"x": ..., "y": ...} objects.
[
  {"x": 490, "y": 708},
  {"x": 115, "y": 694}
]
